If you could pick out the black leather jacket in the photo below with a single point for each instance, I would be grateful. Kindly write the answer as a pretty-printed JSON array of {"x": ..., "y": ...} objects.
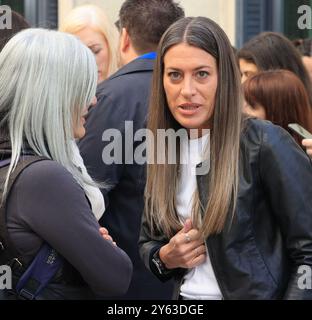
[{"x": 259, "y": 254}]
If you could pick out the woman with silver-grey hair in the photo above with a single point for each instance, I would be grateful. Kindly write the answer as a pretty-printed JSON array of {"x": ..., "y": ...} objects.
[{"x": 47, "y": 81}]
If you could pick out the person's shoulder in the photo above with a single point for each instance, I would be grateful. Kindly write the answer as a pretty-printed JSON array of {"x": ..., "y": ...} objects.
[
  {"x": 45, "y": 173},
  {"x": 254, "y": 124},
  {"x": 135, "y": 67},
  {"x": 266, "y": 135},
  {"x": 262, "y": 131},
  {"x": 130, "y": 76}
]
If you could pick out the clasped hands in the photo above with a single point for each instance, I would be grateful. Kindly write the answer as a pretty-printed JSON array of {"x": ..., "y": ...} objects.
[{"x": 185, "y": 250}]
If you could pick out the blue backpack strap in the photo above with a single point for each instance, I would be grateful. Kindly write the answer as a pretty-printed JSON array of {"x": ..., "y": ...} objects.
[{"x": 39, "y": 273}]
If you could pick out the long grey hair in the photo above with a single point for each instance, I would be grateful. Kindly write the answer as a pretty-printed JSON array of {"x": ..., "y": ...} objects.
[{"x": 46, "y": 79}]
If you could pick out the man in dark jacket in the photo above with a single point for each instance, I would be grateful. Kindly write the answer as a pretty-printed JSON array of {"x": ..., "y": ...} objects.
[{"x": 120, "y": 112}]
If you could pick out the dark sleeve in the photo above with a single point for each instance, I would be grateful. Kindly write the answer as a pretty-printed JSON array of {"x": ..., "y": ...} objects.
[
  {"x": 53, "y": 206},
  {"x": 286, "y": 173},
  {"x": 119, "y": 113},
  {"x": 148, "y": 245},
  {"x": 107, "y": 114}
]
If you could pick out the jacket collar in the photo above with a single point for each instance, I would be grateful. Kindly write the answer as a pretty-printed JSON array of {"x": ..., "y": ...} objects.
[{"x": 135, "y": 66}]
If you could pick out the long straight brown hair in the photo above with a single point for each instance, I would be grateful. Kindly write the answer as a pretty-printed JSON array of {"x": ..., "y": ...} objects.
[{"x": 161, "y": 187}]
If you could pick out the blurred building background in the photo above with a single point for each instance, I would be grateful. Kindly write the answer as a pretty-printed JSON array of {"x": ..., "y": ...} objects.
[{"x": 241, "y": 19}]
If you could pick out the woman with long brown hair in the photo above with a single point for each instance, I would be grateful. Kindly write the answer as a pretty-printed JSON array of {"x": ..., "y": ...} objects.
[
  {"x": 239, "y": 226},
  {"x": 271, "y": 51},
  {"x": 280, "y": 97}
]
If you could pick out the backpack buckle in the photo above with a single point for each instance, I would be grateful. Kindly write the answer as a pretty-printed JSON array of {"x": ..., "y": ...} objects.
[
  {"x": 15, "y": 263},
  {"x": 24, "y": 294}
]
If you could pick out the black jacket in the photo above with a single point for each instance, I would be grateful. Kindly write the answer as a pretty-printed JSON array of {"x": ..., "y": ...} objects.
[
  {"x": 258, "y": 256},
  {"x": 123, "y": 97}
]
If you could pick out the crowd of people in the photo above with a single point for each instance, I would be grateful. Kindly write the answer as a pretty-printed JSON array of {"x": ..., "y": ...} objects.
[{"x": 230, "y": 218}]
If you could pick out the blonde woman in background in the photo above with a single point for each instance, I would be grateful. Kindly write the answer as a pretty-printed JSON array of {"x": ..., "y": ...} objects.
[{"x": 91, "y": 25}]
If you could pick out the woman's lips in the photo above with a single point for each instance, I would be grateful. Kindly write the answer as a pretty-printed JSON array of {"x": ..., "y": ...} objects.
[{"x": 189, "y": 108}]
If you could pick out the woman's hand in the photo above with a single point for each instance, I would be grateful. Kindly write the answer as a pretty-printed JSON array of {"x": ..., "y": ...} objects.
[
  {"x": 105, "y": 234},
  {"x": 185, "y": 250},
  {"x": 308, "y": 144}
]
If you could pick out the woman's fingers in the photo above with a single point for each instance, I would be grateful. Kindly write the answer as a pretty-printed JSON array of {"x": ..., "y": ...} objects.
[
  {"x": 192, "y": 235},
  {"x": 104, "y": 231},
  {"x": 308, "y": 144},
  {"x": 198, "y": 261},
  {"x": 195, "y": 252},
  {"x": 109, "y": 238},
  {"x": 105, "y": 234},
  {"x": 183, "y": 249}
]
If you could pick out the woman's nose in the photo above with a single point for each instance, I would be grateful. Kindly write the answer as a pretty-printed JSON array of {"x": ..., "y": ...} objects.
[{"x": 188, "y": 88}]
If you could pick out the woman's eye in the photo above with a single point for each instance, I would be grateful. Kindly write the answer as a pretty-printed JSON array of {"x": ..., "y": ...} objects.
[
  {"x": 96, "y": 50},
  {"x": 202, "y": 74},
  {"x": 248, "y": 74},
  {"x": 174, "y": 76}
]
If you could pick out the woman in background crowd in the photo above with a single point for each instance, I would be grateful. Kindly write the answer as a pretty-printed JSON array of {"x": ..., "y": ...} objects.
[
  {"x": 280, "y": 97},
  {"x": 304, "y": 46},
  {"x": 270, "y": 51},
  {"x": 91, "y": 25},
  {"x": 47, "y": 81}
]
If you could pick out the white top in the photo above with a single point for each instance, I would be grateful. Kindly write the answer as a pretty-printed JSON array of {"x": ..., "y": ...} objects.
[
  {"x": 199, "y": 283},
  {"x": 93, "y": 193}
]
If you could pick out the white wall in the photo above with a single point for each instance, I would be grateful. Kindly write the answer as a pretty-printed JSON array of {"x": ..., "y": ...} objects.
[{"x": 221, "y": 11}]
